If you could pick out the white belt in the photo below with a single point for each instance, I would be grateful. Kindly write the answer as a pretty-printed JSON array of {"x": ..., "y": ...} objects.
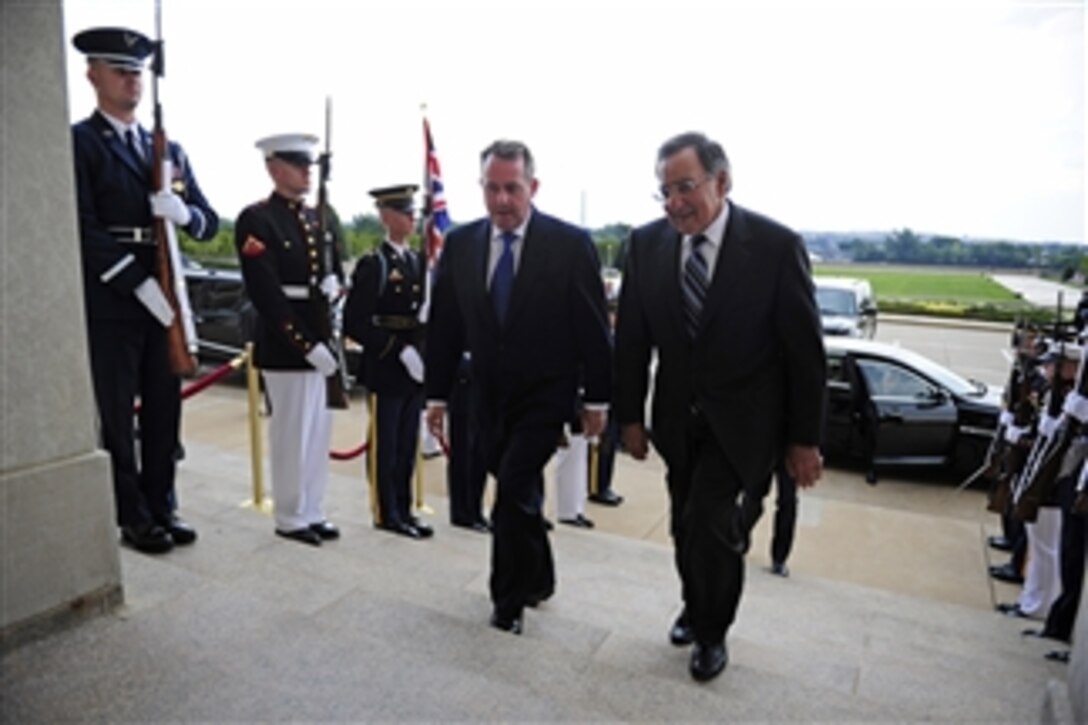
[{"x": 296, "y": 291}]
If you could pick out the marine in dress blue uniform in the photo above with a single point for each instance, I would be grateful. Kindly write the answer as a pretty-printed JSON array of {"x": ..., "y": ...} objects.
[
  {"x": 127, "y": 313},
  {"x": 382, "y": 314},
  {"x": 286, "y": 276}
]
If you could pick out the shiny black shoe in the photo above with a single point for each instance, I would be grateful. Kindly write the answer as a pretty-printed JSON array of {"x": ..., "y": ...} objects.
[
  {"x": 606, "y": 498},
  {"x": 326, "y": 530},
  {"x": 579, "y": 521},
  {"x": 681, "y": 633},
  {"x": 779, "y": 568},
  {"x": 1010, "y": 609},
  {"x": 536, "y": 598},
  {"x": 1006, "y": 573},
  {"x": 303, "y": 536},
  {"x": 708, "y": 660},
  {"x": 1000, "y": 543},
  {"x": 480, "y": 527},
  {"x": 513, "y": 626},
  {"x": 424, "y": 529},
  {"x": 147, "y": 538},
  {"x": 401, "y": 528},
  {"x": 180, "y": 530}
]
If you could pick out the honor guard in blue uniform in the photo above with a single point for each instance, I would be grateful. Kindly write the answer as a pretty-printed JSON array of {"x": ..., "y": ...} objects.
[
  {"x": 127, "y": 311},
  {"x": 283, "y": 259},
  {"x": 382, "y": 314}
]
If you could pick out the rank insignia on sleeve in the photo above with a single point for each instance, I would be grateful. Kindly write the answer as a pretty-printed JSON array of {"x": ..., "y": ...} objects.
[
  {"x": 395, "y": 276},
  {"x": 253, "y": 247}
]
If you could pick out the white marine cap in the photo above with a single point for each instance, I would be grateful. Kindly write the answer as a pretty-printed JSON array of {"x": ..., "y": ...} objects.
[{"x": 294, "y": 148}]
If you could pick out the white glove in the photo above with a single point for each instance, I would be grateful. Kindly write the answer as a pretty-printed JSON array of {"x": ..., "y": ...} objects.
[
  {"x": 322, "y": 360},
  {"x": 150, "y": 295},
  {"x": 413, "y": 363},
  {"x": 168, "y": 205},
  {"x": 331, "y": 287}
]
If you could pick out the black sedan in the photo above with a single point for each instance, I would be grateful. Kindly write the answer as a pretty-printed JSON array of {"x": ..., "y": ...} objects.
[
  {"x": 223, "y": 315},
  {"x": 924, "y": 413}
]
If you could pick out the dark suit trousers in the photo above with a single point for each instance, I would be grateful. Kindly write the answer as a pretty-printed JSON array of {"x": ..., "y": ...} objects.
[
  {"x": 466, "y": 473},
  {"x": 521, "y": 557},
  {"x": 785, "y": 514},
  {"x": 398, "y": 439},
  {"x": 709, "y": 533},
  {"x": 128, "y": 359}
]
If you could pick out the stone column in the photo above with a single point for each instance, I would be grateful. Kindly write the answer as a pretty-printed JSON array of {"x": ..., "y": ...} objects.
[{"x": 58, "y": 541}]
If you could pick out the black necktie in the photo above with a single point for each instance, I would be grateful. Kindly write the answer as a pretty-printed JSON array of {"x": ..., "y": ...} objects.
[
  {"x": 134, "y": 147},
  {"x": 694, "y": 284},
  {"x": 502, "y": 281}
]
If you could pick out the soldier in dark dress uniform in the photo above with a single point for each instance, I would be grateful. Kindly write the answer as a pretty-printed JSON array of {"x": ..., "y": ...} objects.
[
  {"x": 382, "y": 314},
  {"x": 282, "y": 256},
  {"x": 127, "y": 312}
]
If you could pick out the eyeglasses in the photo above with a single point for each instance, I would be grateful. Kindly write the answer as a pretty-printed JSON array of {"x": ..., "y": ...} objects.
[{"x": 684, "y": 187}]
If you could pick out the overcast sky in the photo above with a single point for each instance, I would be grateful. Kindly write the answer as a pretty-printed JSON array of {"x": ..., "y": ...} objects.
[{"x": 951, "y": 117}]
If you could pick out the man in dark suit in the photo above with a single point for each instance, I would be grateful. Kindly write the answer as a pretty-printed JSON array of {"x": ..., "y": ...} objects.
[
  {"x": 382, "y": 314},
  {"x": 724, "y": 297},
  {"x": 521, "y": 292},
  {"x": 127, "y": 311}
]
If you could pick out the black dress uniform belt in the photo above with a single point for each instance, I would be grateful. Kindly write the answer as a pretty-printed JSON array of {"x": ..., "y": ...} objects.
[
  {"x": 132, "y": 235},
  {"x": 395, "y": 322}
]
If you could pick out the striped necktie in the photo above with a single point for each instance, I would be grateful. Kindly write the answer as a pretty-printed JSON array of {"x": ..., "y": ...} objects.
[
  {"x": 694, "y": 284},
  {"x": 502, "y": 280}
]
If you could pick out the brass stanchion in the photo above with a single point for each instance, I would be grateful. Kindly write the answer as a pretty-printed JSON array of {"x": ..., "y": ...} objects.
[
  {"x": 372, "y": 458},
  {"x": 594, "y": 472},
  {"x": 420, "y": 506},
  {"x": 258, "y": 502}
]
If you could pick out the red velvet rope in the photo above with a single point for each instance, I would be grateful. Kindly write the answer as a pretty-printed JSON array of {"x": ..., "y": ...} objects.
[
  {"x": 348, "y": 455},
  {"x": 210, "y": 379}
]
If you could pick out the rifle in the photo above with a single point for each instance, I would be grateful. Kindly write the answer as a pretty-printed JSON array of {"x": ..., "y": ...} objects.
[
  {"x": 336, "y": 384},
  {"x": 181, "y": 344}
]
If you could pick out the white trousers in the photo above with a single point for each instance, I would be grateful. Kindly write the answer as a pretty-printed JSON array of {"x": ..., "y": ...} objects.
[
  {"x": 1043, "y": 581},
  {"x": 571, "y": 477},
  {"x": 299, "y": 435}
]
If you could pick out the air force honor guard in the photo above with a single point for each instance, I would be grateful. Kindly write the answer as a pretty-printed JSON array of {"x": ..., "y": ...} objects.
[
  {"x": 382, "y": 314},
  {"x": 279, "y": 247},
  {"x": 127, "y": 312}
]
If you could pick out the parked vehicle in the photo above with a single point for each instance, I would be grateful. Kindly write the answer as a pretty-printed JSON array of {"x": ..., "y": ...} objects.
[
  {"x": 847, "y": 306},
  {"x": 925, "y": 414}
]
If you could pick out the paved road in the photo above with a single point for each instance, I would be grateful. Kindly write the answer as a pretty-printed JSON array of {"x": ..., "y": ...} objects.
[
  {"x": 1038, "y": 291},
  {"x": 981, "y": 353}
]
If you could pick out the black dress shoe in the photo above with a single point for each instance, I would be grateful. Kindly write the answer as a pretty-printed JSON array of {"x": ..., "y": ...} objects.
[
  {"x": 681, "y": 633},
  {"x": 326, "y": 530},
  {"x": 304, "y": 536},
  {"x": 180, "y": 530},
  {"x": 148, "y": 538},
  {"x": 401, "y": 528},
  {"x": 513, "y": 626},
  {"x": 425, "y": 530},
  {"x": 477, "y": 526},
  {"x": 1010, "y": 609},
  {"x": 780, "y": 569},
  {"x": 708, "y": 660},
  {"x": 1000, "y": 543},
  {"x": 1058, "y": 655},
  {"x": 580, "y": 521},
  {"x": 606, "y": 498},
  {"x": 1006, "y": 573},
  {"x": 870, "y": 477}
]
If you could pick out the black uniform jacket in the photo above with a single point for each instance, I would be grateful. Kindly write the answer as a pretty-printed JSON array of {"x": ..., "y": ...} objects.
[
  {"x": 556, "y": 333},
  {"x": 756, "y": 369},
  {"x": 281, "y": 251},
  {"x": 382, "y": 315},
  {"x": 112, "y": 189}
]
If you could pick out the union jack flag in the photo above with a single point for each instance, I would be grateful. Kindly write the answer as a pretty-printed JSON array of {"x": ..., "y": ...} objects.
[{"x": 436, "y": 220}]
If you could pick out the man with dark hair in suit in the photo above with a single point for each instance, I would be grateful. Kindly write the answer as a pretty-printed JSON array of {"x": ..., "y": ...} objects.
[
  {"x": 521, "y": 291},
  {"x": 724, "y": 297},
  {"x": 127, "y": 311}
]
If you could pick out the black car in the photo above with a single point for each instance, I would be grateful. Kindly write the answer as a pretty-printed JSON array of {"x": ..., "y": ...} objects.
[
  {"x": 223, "y": 315},
  {"x": 925, "y": 413}
]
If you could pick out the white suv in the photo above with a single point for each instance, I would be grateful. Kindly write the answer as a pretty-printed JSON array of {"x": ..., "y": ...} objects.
[{"x": 847, "y": 306}]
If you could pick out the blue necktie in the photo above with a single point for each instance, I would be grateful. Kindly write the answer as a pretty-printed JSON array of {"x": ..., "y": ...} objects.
[
  {"x": 695, "y": 282},
  {"x": 502, "y": 281}
]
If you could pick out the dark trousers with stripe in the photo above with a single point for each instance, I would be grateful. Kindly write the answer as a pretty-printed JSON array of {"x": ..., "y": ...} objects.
[
  {"x": 397, "y": 430},
  {"x": 129, "y": 360},
  {"x": 466, "y": 472}
]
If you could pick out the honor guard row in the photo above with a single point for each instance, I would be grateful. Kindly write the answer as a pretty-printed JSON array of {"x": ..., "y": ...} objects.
[{"x": 382, "y": 314}]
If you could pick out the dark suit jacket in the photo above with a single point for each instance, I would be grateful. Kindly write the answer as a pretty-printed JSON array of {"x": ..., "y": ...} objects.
[
  {"x": 112, "y": 189},
  {"x": 556, "y": 332},
  {"x": 756, "y": 368}
]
